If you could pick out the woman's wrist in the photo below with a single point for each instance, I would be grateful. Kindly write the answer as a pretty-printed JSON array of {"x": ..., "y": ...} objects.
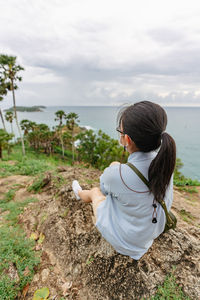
[{"x": 114, "y": 163}]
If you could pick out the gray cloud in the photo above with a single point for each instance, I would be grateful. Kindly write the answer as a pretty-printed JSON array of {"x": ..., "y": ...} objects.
[
  {"x": 166, "y": 36},
  {"x": 87, "y": 59}
]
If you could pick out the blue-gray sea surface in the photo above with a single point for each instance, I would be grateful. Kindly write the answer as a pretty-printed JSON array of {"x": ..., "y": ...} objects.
[{"x": 183, "y": 125}]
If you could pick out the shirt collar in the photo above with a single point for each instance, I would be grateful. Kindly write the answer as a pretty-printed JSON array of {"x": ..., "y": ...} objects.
[{"x": 137, "y": 156}]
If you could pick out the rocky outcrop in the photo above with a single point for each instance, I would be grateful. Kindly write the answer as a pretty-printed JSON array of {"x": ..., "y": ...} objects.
[{"x": 84, "y": 266}]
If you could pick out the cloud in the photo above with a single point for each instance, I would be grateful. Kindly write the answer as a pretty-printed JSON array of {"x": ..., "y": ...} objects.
[{"x": 104, "y": 52}]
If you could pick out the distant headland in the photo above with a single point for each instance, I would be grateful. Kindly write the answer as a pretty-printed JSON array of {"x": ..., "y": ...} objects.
[{"x": 27, "y": 108}]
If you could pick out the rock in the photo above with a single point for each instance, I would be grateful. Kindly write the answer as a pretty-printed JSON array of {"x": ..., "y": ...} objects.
[
  {"x": 80, "y": 254},
  {"x": 45, "y": 274},
  {"x": 36, "y": 277},
  {"x": 66, "y": 287},
  {"x": 38, "y": 247},
  {"x": 62, "y": 169},
  {"x": 12, "y": 272},
  {"x": 104, "y": 273},
  {"x": 52, "y": 258}
]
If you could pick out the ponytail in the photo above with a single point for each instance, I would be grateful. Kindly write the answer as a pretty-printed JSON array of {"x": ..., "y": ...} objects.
[
  {"x": 162, "y": 167},
  {"x": 145, "y": 122}
]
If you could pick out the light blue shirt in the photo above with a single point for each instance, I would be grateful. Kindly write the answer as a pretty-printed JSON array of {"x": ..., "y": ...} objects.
[{"x": 125, "y": 217}]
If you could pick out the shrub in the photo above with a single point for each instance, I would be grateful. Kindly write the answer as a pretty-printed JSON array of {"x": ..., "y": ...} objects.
[{"x": 99, "y": 150}]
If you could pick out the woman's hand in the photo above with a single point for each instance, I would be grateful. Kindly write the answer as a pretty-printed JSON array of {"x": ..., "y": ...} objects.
[{"x": 114, "y": 163}]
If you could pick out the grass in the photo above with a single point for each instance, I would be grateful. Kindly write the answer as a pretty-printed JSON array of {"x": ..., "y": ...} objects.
[
  {"x": 14, "y": 209},
  {"x": 170, "y": 290},
  {"x": 58, "y": 181},
  {"x": 16, "y": 250},
  {"x": 9, "y": 195},
  {"x": 27, "y": 167},
  {"x": 190, "y": 190},
  {"x": 44, "y": 217},
  {"x": 186, "y": 216},
  {"x": 32, "y": 164},
  {"x": 91, "y": 181},
  {"x": 37, "y": 163},
  {"x": 65, "y": 213},
  {"x": 185, "y": 182},
  {"x": 37, "y": 184}
]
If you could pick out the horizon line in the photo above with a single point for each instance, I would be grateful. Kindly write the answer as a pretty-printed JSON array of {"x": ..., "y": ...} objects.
[{"x": 114, "y": 105}]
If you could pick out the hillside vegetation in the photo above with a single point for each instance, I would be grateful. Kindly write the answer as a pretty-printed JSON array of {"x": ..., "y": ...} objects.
[
  {"x": 34, "y": 108},
  {"x": 49, "y": 241}
]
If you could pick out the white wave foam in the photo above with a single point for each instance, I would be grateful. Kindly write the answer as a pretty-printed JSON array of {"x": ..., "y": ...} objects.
[{"x": 88, "y": 127}]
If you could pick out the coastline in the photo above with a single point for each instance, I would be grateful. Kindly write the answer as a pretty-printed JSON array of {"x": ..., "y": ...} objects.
[{"x": 183, "y": 125}]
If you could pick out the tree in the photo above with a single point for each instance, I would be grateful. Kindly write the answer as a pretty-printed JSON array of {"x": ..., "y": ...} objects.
[
  {"x": 71, "y": 122},
  {"x": 87, "y": 146},
  {"x": 109, "y": 150},
  {"x": 26, "y": 126},
  {"x": 9, "y": 70},
  {"x": 9, "y": 116},
  {"x": 99, "y": 150},
  {"x": 41, "y": 138},
  {"x": 2, "y": 119},
  {"x": 3, "y": 92},
  {"x": 60, "y": 114},
  {"x": 4, "y": 141}
]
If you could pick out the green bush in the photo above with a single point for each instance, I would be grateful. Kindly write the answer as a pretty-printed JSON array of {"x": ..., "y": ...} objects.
[{"x": 99, "y": 150}]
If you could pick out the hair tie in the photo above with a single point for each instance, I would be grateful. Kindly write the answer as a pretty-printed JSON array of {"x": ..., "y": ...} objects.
[{"x": 162, "y": 133}]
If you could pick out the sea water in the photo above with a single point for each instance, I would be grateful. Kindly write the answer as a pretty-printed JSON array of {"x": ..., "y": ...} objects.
[{"x": 183, "y": 125}]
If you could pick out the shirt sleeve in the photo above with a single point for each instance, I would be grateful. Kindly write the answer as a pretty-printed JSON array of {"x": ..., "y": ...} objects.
[
  {"x": 107, "y": 178},
  {"x": 103, "y": 185}
]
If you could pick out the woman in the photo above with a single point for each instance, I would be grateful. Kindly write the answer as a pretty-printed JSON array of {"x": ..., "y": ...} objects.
[{"x": 127, "y": 213}]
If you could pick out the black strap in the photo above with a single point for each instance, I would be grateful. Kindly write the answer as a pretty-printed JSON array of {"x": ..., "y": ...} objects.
[
  {"x": 162, "y": 202},
  {"x": 138, "y": 173}
]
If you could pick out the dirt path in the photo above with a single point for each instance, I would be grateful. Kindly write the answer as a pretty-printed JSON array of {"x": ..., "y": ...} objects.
[{"x": 77, "y": 263}]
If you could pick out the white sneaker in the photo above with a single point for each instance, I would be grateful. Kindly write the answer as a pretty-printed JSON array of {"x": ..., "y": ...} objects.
[{"x": 76, "y": 188}]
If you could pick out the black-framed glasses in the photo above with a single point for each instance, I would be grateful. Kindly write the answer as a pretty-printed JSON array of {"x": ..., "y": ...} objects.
[{"x": 118, "y": 130}]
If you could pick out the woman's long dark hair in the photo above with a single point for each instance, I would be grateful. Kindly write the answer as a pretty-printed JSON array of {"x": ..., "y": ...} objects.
[{"x": 145, "y": 123}]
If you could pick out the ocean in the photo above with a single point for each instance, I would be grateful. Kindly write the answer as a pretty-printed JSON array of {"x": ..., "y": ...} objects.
[{"x": 183, "y": 126}]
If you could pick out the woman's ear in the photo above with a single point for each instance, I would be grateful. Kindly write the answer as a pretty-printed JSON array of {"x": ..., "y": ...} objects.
[{"x": 127, "y": 140}]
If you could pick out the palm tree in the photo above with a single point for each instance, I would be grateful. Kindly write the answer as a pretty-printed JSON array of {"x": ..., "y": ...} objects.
[
  {"x": 32, "y": 138},
  {"x": 9, "y": 116},
  {"x": 60, "y": 114},
  {"x": 33, "y": 126},
  {"x": 71, "y": 122},
  {"x": 3, "y": 92},
  {"x": 9, "y": 70},
  {"x": 2, "y": 119},
  {"x": 26, "y": 126},
  {"x": 4, "y": 141}
]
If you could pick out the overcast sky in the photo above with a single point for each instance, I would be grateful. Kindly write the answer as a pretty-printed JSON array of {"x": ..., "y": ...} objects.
[{"x": 103, "y": 52}]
